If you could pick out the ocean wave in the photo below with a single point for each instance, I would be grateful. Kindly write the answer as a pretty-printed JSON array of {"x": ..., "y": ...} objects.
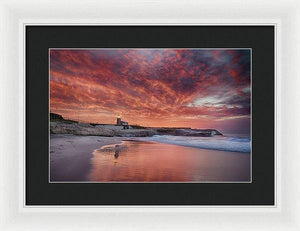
[{"x": 222, "y": 143}]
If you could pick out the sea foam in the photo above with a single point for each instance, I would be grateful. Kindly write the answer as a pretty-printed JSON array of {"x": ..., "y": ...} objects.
[{"x": 222, "y": 143}]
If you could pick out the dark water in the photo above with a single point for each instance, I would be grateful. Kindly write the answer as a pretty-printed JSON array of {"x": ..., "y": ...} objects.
[{"x": 140, "y": 161}]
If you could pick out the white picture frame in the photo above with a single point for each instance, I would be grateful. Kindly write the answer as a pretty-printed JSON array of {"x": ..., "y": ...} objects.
[{"x": 15, "y": 15}]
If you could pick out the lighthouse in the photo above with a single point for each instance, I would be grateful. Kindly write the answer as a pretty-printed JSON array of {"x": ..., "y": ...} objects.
[{"x": 119, "y": 122}]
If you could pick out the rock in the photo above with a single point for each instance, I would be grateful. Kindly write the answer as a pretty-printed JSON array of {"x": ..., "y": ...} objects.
[
  {"x": 55, "y": 116},
  {"x": 189, "y": 132},
  {"x": 111, "y": 130},
  {"x": 79, "y": 129},
  {"x": 136, "y": 133}
]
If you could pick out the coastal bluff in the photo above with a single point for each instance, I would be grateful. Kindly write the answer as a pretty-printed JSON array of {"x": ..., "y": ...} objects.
[
  {"x": 98, "y": 130},
  {"x": 113, "y": 130},
  {"x": 59, "y": 125}
]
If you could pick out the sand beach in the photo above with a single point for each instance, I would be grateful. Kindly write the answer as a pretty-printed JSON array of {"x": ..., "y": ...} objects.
[{"x": 124, "y": 159}]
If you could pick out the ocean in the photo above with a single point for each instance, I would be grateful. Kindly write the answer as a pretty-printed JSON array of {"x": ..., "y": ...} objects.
[{"x": 231, "y": 143}]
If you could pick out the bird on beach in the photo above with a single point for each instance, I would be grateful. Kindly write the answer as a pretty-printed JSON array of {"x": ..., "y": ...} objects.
[{"x": 117, "y": 150}]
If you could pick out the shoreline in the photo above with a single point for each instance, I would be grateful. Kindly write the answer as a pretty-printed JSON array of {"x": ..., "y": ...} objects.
[
  {"x": 74, "y": 152},
  {"x": 222, "y": 143},
  {"x": 71, "y": 156},
  {"x": 111, "y": 130}
]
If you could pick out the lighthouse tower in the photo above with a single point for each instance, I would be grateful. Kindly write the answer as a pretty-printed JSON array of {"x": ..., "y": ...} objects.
[{"x": 119, "y": 120}]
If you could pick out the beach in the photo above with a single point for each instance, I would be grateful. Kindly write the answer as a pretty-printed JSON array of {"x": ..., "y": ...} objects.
[
  {"x": 119, "y": 159},
  {"x": 70, "y": 155}
]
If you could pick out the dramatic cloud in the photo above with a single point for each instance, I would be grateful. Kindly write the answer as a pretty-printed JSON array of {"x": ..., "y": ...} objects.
[{"x": 153, "y": 87}]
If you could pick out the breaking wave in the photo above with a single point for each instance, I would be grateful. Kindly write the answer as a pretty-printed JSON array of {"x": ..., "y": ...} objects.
[{"x": 222, "y": 143}]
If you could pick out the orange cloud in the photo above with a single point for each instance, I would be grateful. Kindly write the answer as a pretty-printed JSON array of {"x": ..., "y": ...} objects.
[{"x": 162, "y": 87}]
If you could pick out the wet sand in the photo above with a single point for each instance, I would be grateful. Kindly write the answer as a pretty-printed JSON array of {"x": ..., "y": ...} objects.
[
  {"x": 99, "y": 159},
  {"x": 70, "y": 155}
]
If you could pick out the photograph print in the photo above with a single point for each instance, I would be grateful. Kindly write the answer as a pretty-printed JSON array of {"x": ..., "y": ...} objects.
[{"x": 150, "y": 115}]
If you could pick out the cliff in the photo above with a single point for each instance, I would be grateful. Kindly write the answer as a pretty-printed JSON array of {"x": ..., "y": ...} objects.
[
  {"x": 98, "y": 130},
  {"x": 61, "y": 127}
]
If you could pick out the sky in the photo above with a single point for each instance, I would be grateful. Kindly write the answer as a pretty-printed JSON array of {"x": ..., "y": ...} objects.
[{"x": 197, "y": 88}]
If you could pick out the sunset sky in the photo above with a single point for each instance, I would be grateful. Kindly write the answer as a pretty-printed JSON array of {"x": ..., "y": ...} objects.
[{"x": 154, "y": 87}]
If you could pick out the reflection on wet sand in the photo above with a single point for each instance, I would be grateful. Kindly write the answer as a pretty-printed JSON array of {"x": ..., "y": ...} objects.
[
  {"x": 117, "y": 150},
  {"x": 155, "y": 162}
]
